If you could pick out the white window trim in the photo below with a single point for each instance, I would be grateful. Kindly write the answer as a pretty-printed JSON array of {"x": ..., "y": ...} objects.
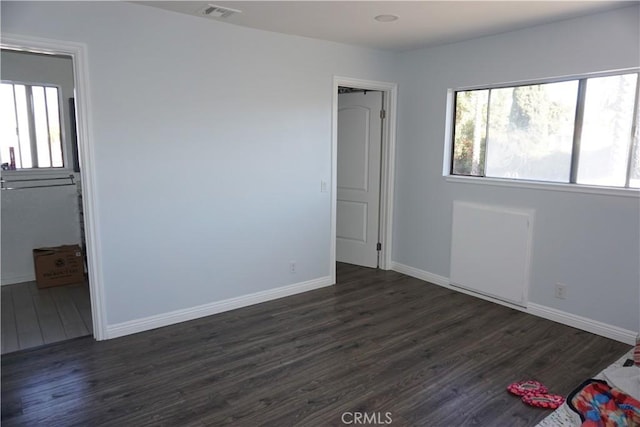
[
  {"x": 543, "y": 185},
  {"x": 38, "y": 173},
  {"x": 557, "y": 79}
]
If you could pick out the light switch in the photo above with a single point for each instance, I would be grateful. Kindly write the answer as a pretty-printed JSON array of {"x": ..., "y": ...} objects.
[{"x": 323, "y": 186}]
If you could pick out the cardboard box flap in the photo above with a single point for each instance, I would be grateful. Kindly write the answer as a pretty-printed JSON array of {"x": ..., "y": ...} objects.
[{"x": 61, "y": 248}]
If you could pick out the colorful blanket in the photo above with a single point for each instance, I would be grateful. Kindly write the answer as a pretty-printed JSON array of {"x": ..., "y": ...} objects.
[{"x": 599, "y": 405}]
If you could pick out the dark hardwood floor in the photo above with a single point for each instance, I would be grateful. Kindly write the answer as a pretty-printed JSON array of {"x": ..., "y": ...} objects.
[{"x": 378, "y": 341}]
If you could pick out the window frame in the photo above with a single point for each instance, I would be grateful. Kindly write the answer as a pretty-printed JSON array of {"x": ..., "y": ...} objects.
[
  {"x": 572, "y": 185},
  {"x": 50, "y": 170}
]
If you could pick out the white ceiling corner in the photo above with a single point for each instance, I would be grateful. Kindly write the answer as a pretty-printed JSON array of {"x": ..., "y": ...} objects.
[{"x": 420, "y": 24}]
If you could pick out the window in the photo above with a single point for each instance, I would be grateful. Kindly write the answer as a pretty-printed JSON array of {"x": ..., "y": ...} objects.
[
  {"x": 30, "y": 126},
  {"x": 578, "y": 131}
]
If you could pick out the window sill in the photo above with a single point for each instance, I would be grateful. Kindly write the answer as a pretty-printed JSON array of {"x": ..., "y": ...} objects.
[
  {"x": 37, "y": 173},
  {"x": 548, "y": 186}
]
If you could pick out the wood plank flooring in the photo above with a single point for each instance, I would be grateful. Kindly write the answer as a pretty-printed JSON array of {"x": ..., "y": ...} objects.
[
  {"x": 32, "y": 317},
  {"x": 378, "y": 341}
]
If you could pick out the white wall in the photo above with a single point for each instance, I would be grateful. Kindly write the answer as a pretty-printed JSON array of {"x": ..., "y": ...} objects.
[
  {"x": 590, "y": 242},
  {"x": 211, "y": 141},
  {"x": 35, "y": 218}
]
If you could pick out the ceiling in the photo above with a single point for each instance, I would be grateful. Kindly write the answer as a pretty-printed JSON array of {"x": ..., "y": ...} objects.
[{"x": 420, "y": 23}]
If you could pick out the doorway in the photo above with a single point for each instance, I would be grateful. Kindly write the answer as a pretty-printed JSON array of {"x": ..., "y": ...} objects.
[
  {"x": 360, "y": 121},
  {"x": 45, "y": 294},
  {"x": 48, "y": 174},
  {"x": 364, "y": 114}
]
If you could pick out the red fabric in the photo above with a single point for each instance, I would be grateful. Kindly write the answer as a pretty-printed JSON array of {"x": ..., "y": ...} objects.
[{"x": 599, "y": 405}]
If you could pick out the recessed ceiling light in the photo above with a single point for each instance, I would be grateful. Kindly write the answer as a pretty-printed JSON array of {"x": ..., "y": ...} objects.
[{"x": 386, "y": 18}]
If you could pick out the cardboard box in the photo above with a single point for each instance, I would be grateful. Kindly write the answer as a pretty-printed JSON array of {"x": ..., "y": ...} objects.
[{"x": 58, "y": 266}]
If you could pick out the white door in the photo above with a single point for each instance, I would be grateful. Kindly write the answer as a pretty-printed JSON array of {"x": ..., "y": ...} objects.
[{"x": 358, "y": 198}]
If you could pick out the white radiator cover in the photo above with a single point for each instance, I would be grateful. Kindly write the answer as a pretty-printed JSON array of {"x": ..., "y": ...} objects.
[{"x": 491, "y": 250}]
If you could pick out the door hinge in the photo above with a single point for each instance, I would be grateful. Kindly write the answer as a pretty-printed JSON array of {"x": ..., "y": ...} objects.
[
  {"x": 383, "y": 114},
  {"x": 379, "y": 246}
]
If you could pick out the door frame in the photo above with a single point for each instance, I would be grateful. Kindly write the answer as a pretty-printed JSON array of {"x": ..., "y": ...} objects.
[
  {"x": 86, "y": 154},
  {"x": 387, "y": 167}
]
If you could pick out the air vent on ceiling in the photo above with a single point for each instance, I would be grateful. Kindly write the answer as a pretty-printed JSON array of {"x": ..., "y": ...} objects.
[{"x": 214, "y": 11}]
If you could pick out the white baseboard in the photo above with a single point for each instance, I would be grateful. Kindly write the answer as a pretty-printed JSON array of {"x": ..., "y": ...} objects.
[
  {"x": 444, "y": 282},
  {"x": 19, "y": 278},
  {"x": 420, "y": 274},
  {"x": 177, "y": 316},
  {"x": 595, "y": 327}
]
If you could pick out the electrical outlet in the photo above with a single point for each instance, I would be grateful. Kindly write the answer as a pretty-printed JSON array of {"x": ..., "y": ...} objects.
[
  {"x": 292, "y": 267},
  {"x": 561, "y": 290}
]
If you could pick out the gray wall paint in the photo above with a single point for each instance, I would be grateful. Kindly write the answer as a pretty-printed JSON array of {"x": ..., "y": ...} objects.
[
  {"x": 211, "y": 141},
  {"x": 590, "y": 242}
]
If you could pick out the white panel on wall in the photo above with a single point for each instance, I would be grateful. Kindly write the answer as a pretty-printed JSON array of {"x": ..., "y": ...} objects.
[
  {"x": 491, "y": 250},
  {"x": 353, "y": 220}
]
